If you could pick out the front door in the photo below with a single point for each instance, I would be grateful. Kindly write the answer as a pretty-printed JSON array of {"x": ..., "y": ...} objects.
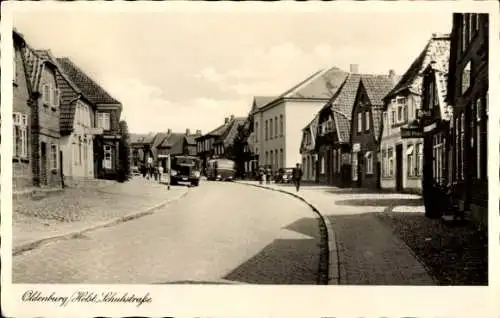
[
  {"x": 43, "y": 163},
  {"x": 399, "y": 167},
  {"x": 360, "y": 169}
]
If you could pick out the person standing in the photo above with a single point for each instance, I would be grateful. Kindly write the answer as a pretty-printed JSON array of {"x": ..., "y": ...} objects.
[
  {"x": 160, "y": 172},
  {"x": 297, "y": 176}
]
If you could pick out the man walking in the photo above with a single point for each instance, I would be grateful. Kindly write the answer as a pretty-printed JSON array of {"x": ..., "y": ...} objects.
[{"x": 297, "y": 176}]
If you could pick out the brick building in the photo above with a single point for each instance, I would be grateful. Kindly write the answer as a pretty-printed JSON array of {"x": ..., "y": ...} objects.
[
  {"x": 22, "y": 156},
  {"x": 45, "y": 115},
  {"x": 365, "y": 129}
]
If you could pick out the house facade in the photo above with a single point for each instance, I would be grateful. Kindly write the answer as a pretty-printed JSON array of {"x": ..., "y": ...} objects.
[
  {"x": 22, "y": 174},
  {"x": 210, "y": 145},
  {"x": 279, "y": 123},
  {"x": 402, "y": 155},
  {"x": 106, "y": 116},
  {"x": 454, "y": 121},
  {"x": 308, "y": 150},
  {"x": 365, "y": 130},
  {"x": 45, "y": 115}
]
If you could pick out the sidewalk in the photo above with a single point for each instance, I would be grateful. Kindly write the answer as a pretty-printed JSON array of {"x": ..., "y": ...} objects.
[
  {"x": 75, "y": 210},
  {"x": 365, "y": 251}
]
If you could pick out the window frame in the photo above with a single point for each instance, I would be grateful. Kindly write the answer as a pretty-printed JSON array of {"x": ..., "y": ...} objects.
[
  {"x": 367, "y": 120},
  {"x": 20, "y": 124},
  {"x": 101, "y": 120},
  {"x": 369, "y": 162},
  {"x": 360, "y": 122},
  {"x": 54, "y": 157},
  {"x": 104, "y": 159}
]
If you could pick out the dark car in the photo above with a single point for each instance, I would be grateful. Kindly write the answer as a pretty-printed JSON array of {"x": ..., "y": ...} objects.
[
  {"x": 185, "y": 169},
  {"x": 285, "y": 175},
  {"x": 221, "y": 169}
]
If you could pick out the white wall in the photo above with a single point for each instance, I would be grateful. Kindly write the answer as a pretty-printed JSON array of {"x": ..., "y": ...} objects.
[
  {"x": 274, "y": 143},
  {"x": 298, "y": 115}
]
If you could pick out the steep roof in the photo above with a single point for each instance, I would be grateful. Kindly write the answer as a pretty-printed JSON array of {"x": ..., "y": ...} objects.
[
  {"x": 34, "y": 67},
  {"x": 343, "y": 126},
  {"x": 219, "y": 131},
  {"x": 149, "y": 138},
  {"x": 228, "y": 136},
  {"x": 322, "y": 84},
  {"x": 90, "y": 89},
  {"x": 191, "y": 139},
  {"x": 377, "y": 87},
  {"x": 311, "y": 128},
  {"x": 438, "y": 50},
  {"x": 158, "y": 139},
  {"x": 174, "y": 141},
  {"x": 261, "y": 101},
  {"x": 137, "y": 138}
]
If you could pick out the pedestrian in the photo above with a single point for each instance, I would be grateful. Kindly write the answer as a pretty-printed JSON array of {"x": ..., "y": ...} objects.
[
  {"x": 160, "y": 172},
  {"x": 268, "y": 175},
  {"x": 297, "y": 176}
]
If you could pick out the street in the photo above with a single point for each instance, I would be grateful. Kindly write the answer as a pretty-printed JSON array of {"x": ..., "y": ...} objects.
[{"x": 224, "y": 233}]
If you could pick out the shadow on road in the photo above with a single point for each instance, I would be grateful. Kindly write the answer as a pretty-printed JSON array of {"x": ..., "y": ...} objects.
[
  {"x": 381, "y": 202},
  {"x": 285, "y": 261}
]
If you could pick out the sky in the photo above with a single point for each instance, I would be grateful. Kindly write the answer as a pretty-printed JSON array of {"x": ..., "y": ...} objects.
[{"x": 192, "y": 69}]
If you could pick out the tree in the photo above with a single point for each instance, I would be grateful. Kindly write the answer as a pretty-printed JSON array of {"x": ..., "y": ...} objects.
[
  {"x": 124, "y": 172},
  {"x": 238, "y": 153}
]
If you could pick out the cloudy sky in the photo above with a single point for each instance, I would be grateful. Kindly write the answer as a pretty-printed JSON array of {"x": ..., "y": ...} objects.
[{"x": 191, "y": 69}]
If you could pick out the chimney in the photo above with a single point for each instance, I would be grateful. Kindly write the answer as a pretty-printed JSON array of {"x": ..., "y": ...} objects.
[
  {"x": 169, "y": 131},
  {"x": 198, "y": 132},
  {"x": 226, "y": 120},
  {"x": 392, "y": 76},
  {"x": 188, "y": 132},
  {"x": 354, "y": 68}
]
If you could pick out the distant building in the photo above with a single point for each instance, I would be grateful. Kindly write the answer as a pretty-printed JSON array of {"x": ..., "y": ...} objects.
[
  {"x": 308, "y": 150},
  {"x": 278, "y": 123}
]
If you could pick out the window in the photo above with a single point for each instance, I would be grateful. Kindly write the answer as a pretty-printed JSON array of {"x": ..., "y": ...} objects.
[
  {"x": 80, "y": 151},
  {"x": 276, "y": 127},
  {"x": 85, "y": 151},
  {"x": 360, "y": 122},
  {"x": 466, "y": 73},
  {"x": 393, "y": 117},
  {"x": 385, "y": 123},
  {"x": 367, "y": 120},
  {"x": 281, "y": 125},
  {"x": 103, "y": 121},
  {"x": 354, "y": 167},
  {"x": 20, "y": 134},
  {"x": 369, "y": 162},
  {"x": 271, "y": 155},
  {"x": 45, "y": 94},
  {"x": 53, "y": 157},
  {"x": 438, "y": 157},
  {"x": 390, "y": 168},
  {"x": 282, "y": 159},
  {"x": 256, "y": 132},
  {"x": 410, "y": 162},
  {"x": 108, "y": 157},
  {"x": 267, "y": 136},
  {"x": 276, "y": 162},
  {"x": 384, "y": 163},
  {"x": 271, "y": 129},
  {"x": 462, "y": 145},
  {"x": 267, "y": 158},
  {"x": 420, "y": 159},
  {"x": 322, "y": 165}
]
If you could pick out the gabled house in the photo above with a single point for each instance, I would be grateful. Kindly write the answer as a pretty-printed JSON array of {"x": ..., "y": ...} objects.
[
  {"x": 77, "y": 127},
  {"x": 137, "y": 149},
  {"x": 22, "y": 174},
  {"x": 454, "y": 121},
  {"x": 44, "y": 120},
  {"x": 399, "y": 145},
  {"x": 280, "y": 121},
  {"x": 176, "y": 144},
  {"x": 308, "y": 150},
  {"x": 107, "y": 117},
  {"x": 366, "y": 124},
  {"x": 223, "y": 145}
]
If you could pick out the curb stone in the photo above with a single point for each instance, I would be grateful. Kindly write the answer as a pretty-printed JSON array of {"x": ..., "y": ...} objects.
[
  {"x": 333, "y": 256},
  {"x": 72, "y": 234}
]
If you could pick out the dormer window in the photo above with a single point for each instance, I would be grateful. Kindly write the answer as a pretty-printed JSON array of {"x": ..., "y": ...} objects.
[
  {"x": 103, "y": 121},
  {"x": 360, "y": 122},
  {"x": 50, "y": 95},
  {"x": 367, "y": 121}
]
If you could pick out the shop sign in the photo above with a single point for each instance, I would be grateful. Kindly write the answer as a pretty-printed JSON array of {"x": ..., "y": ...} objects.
[
  {"x": 411, "y": 132},
  {"x": 430, "y": 127}
]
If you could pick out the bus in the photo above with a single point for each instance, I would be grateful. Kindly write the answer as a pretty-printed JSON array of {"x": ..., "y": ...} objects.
[{"x": 221, "y": 169}]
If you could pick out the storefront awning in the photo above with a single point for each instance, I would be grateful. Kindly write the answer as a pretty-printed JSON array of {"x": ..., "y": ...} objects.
[{"x": 409, "y": 150}]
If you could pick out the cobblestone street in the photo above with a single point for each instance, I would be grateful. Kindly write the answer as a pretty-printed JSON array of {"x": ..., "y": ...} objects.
[
  {"x": 385, "y": 239},
  {"x": 219, "y": 233}
]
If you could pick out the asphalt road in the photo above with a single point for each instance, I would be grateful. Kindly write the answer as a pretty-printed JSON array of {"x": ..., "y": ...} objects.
[{"x": 223, "y": 233}]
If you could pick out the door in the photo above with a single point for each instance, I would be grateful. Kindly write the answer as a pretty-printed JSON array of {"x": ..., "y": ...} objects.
[
  {"x": 360, "y": 169},
  {"x": 61, "y": 168},
  {"x": 43, "y": 163},
  {"x": 399, "y": 167}
]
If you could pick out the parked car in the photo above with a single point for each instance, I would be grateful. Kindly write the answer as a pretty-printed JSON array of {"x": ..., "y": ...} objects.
[{"x": 285, "y": 175}]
